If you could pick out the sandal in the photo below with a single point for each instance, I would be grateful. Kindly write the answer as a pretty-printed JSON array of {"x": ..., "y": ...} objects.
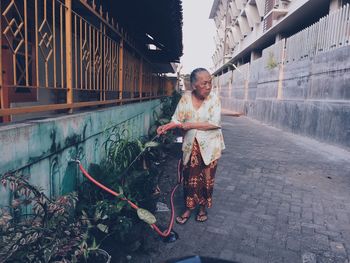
[
  {"x": 181, "y": 220},
  {"x": 202, "y": 217}
]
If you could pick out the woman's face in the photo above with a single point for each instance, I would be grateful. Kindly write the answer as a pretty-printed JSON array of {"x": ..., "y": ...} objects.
[{"x": 203, "y": 84}]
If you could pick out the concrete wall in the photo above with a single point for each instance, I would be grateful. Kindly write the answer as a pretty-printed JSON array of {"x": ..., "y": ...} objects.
[
  {"x": 314, "y": 99},
  {"x": 42, "y": 148}
]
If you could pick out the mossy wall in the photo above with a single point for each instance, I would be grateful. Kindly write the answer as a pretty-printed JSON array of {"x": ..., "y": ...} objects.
[{"x": 42, "y": 149}]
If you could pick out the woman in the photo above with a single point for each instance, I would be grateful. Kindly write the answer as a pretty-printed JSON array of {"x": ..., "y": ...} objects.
[{"x": 199, "y": 115}]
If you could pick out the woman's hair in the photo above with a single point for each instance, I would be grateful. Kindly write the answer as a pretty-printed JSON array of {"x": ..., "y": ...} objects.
[{"x": 193, "y": 76}]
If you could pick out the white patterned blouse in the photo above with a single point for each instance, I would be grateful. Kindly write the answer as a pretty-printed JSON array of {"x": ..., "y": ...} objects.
[{"x": 211, "y": 142}]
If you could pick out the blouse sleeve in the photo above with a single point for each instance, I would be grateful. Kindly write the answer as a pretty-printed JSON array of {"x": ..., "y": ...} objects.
[
  {"x": 215, "y": 112},
  {"x": 178, "y": 116}
]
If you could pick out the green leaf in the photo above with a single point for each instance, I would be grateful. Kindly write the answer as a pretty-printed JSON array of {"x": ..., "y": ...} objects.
[
  {"x": 151, "y": 144},
  {"x": 120, "y": 205},
  {"x": 103, "y": 228},
  {"x": 120, "y": 190}
]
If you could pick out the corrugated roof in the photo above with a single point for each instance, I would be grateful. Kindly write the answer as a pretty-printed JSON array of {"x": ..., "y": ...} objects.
[{"x": 160, "y": 19}]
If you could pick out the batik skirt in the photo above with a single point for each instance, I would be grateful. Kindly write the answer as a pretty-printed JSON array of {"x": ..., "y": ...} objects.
[{"x": 198, "y": 180}]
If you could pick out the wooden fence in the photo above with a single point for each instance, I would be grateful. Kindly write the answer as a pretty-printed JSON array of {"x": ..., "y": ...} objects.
[
  {"x": 54, "y": 57},
  {"x": 331, "y": 31}
]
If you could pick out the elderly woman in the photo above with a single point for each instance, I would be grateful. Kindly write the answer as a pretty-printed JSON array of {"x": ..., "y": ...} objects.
[{"x": 198, "y": 114}]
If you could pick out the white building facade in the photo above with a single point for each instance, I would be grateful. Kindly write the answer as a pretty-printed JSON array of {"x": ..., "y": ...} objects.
[
  {"x": 286, "y": 63},
  {"x": 245, "y": 27}
]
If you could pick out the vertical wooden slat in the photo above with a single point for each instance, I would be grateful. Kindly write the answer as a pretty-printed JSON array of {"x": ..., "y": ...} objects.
[
  {"x": 318, "y": 39},
  {"x": 140, "y": 78},
  {"x": 61, "y": 46},
  {"x": 104, "y": 59},
  {"x": 329, "y": 31},
  {"x": 342, "y": 23},
  {"x": 322, "y": 34},
  {"x": 333, "y": 30},
  {"x": 36, "y": 44},
  {"x": 75, "y": 52},
  {"x": 54, "y": 42},
  {"x": 109, "y": 57},
  {"x": 113, "y": 86},
  {"x": 69, "y": 60},
  {"x": 46, "y": 62},
  {"x": 107, "y": 51},
  {"x": 85, "y": 69},
  {"x": 110, "y": 76},
  {"x": 2, "y": 97},
  {"x": 25, "y": 40},
  {"x": 346, "y": 21},
  {"x": 314, "y": 44},
  {"x": 338, "y": 27},
  {"x": 121, "y": 57},
  {"x": 81, "y": 51},
  {"x": 90, "y": 58},
  {"x": 116, "y": 48},
  {"x": 93, "y": 58},
  {"x": 101, "y": 87}
]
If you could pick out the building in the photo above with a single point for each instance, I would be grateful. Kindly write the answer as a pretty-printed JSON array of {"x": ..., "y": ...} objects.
[
  {"x": 286, "y": 63},
  {"x": 246, "y": 27},
  {"x": 60, "y": 55}
]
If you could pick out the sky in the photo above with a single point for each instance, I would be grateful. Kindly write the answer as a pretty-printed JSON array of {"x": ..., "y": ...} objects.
[{"x": 198, "y": 34}]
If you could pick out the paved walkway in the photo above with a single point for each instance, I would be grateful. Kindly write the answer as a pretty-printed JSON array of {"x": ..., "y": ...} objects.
[{"x": 278, "y": 198}]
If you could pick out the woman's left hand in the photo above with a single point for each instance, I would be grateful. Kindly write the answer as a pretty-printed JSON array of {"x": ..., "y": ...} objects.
[{"x": 186, "y": 126}]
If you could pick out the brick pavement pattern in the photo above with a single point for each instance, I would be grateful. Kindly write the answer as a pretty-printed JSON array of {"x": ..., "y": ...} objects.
[{"x": 278, "y": 198}]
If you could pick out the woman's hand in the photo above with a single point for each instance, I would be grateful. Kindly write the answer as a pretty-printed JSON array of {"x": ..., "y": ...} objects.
[
  {"x": 161, "y": 130},
  {"x": 186, "y": 126},
  {"x": 164, "y": 128}
]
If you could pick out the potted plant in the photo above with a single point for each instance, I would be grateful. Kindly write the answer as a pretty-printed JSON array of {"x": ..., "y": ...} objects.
[{"x": 35, "y": 228}]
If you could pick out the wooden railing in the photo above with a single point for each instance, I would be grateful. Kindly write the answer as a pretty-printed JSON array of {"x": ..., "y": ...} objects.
[
  {"x": 330, "y": 32},
  {"x": 53, "y": 57}
]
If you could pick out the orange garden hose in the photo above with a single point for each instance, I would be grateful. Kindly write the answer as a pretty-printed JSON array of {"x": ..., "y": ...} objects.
[{"x": 146, "y": 213}]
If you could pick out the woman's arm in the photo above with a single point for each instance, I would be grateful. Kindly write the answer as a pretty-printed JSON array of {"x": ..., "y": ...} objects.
[{"x": 204, "y": 126}]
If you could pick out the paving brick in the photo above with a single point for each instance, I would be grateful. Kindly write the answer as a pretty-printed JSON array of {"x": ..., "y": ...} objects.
[
  {"x": 239, "y": 257},
  {"x": 338, "y": 248},
  {"x": 308, "y": 257},
  {"x": 226, "y": 254},
  {"x": 293, "y": 244},
  {"x": 271, "y": 202}
]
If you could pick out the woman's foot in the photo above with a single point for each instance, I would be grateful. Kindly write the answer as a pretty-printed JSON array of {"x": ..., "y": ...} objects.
[
  {"x": 184, "y": 217},
  {"x": 202, "y": 215}
]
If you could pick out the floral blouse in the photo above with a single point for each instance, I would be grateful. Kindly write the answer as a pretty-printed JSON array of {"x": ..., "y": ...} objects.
[{"x": 211, "y": 142}]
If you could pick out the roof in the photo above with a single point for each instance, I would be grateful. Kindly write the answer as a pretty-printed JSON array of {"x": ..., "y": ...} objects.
[{"x": 157, "y": 22}]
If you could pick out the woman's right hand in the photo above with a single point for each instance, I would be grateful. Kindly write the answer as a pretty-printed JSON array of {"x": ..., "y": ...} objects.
[
  {"x": 164, "y": 128},
  {"x": 161, "y": 130}
]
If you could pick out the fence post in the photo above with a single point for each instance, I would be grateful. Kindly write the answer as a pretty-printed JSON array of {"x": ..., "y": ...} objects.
[
  {"x": 2, "y": 100},
  {"x": 140, "y": 78},
  {"x": 281, "y": 71},
  {"x": 121, "y": 68},
  {"x": 69, "y": 58},
  {"x": 246, "y": 82}
]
